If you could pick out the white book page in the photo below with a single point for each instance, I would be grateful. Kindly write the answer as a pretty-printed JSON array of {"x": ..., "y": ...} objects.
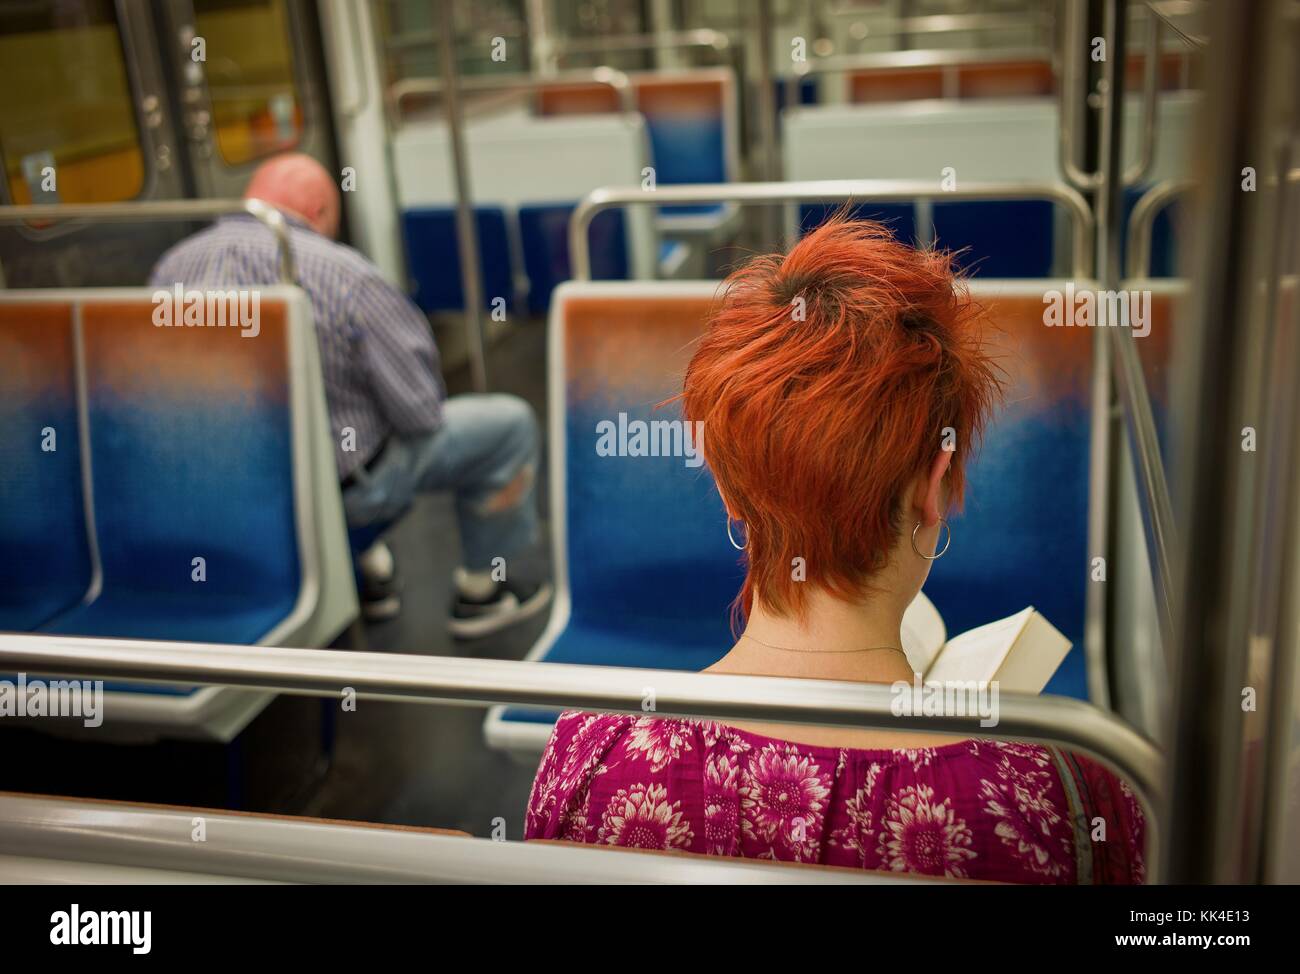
[
  {"x": 977, "y": 654},
  {"x": 923, "y": 633},
  {"x": 1035, "y": 657}
]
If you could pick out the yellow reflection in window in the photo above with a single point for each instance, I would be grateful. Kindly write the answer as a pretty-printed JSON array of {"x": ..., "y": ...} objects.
[
  {"x": 67, "y": 124},
  {"x": 249, "y": 70}
]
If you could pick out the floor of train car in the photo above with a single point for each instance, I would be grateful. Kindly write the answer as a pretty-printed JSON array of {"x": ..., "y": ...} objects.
[{"x": 395, "y": 763}]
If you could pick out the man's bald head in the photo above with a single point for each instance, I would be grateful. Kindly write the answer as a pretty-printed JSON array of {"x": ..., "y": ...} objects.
[{"x": 299, "y": 184}]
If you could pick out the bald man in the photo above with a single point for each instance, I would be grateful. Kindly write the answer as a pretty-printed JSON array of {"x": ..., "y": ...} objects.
[{"x": 396, "y": 434}]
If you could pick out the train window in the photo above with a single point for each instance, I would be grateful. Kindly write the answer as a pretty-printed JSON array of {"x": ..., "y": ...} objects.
[
  {"x": 255, "y": 103},
  {"x": 67, "y": 121}
]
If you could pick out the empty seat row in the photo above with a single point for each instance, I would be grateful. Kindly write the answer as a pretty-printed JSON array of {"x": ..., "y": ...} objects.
[
  {"x": 959, "y": 143},
  {"x": 173, "y": 483},
  {"x": 530, "y": 170}
]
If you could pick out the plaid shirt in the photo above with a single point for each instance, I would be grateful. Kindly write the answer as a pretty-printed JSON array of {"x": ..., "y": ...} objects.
[{"x": 380, "y": 363}]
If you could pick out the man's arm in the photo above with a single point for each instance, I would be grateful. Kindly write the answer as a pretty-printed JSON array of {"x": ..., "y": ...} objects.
[{"x": 400, "y": 355}]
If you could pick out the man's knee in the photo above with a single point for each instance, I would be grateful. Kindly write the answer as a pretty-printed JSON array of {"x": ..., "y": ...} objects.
[
  {"x": 519, "y": 431},
  {"x": 518, "y": 423}
]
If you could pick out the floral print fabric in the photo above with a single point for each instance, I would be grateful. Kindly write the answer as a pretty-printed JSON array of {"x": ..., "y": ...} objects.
[{"x": 988, "y": 810}]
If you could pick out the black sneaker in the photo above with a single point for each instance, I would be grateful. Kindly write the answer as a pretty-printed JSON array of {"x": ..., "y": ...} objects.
[
  {"x": 380, "y": 594},
  {"x": 512, "y": 602},
  {"x": 381, "y": 599}
]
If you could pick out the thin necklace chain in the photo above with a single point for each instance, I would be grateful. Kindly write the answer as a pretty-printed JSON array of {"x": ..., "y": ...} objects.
[{"x": 787, "y": 649}]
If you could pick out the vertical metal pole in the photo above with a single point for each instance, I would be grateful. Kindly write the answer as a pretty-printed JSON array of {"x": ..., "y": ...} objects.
[
  {"x": 767, "y": 114},
  {"x": 1108, "y": 206},
  {"x": 661, "y": 22},
  {"x": 540, "y": 38},
  {"x": 1220, "y": 360},
  {"x": 466, "y": 231}
]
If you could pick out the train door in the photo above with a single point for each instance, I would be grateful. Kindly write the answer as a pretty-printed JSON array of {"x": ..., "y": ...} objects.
[
  {"x": 84, "y": 118},
  {"x": 249, "y": 83}
]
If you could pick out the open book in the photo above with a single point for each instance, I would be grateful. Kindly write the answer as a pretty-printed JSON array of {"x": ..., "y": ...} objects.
[{"x": 1021, "y": 652}]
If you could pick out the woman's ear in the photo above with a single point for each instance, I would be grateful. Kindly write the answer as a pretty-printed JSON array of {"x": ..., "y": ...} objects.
[{"x": 928, "y": 499}]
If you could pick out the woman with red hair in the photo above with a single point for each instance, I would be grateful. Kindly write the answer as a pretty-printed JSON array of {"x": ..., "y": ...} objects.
[{"x": 840, "y": 388}]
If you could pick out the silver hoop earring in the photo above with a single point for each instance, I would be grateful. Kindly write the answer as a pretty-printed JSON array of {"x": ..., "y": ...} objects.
[
  {"x": 938, "y": 554},
  {"x": 738, "y": 547}
]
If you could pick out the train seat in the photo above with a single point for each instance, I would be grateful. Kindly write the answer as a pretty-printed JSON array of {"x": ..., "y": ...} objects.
[
  {"x": 533, "y": 165},
  {"x": 46, "y": 568},
  {"x": 434, "y": 256},
  {"x": 1011, "y": 78},
  {"x": 645, "y": 573},
  {"x": 1010, "y": 140},
  {"x": 692, "y": 121},
  {"x": 213, "y": 492},
  {"x": 544, "y": 230}
]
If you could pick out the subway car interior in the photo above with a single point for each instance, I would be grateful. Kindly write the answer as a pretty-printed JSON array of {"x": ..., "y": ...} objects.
[{"x": 366, "y": 403}]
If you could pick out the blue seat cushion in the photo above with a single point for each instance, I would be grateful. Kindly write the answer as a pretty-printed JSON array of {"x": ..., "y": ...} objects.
[
  {"x": 173, "y": 615},
  {"x": 544, "y": 232},
  {"x": 433, "y": 252},
  {"x": 899, "y": 217},
  {"x": 997, "y": 238}
]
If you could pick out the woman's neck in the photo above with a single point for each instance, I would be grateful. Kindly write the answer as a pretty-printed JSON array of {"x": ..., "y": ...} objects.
[{"x": 833, "y": 640}]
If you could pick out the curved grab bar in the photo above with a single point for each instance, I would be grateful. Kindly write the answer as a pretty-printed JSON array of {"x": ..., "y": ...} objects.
[
  {"x": 450, "y": 679},
  {"x": 1148, "y": 207},
  {"x": 156, "y": 211},
  {"x": 611, "y": 77},
  {"x": 827, "y": 191},
  {"x": 1073, "y": 93},
  {"x": 1150, "y": 101},
  {"x": 1142, "y": 223}
]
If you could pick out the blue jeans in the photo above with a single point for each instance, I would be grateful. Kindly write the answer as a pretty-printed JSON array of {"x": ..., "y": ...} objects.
[{"x": 485, "y": 453}]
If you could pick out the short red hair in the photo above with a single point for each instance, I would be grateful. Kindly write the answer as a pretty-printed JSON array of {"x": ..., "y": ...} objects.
[{"x": 816, "y": 423}]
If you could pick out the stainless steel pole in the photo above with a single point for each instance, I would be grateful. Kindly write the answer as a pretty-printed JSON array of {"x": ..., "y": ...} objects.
[
  {"x": 1221, "y": 359},
  {"x": 466, "y": 230},
  {"x": 766, "y": 102}
]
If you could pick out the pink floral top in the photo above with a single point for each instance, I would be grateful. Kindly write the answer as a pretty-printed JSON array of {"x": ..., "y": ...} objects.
[{"x": 990, "y": 810}]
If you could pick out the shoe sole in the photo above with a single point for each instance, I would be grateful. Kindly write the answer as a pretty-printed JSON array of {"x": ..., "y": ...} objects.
[
  {"x": 487, "y": 625},
  {"x": 382, "y": 610}
]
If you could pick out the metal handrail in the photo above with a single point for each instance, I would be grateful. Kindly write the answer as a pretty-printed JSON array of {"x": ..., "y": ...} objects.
[
  {"x": 118, "y": 839},
  {"x": 1166, "y": 11},
  {"x": 681, "y": 39},
  {"x": 931, "y": 58},
  {"x": 1139, "y": 420},
  {"x": 1141, "y": 224},
  {"x": 1073, "y": 93},
  {"x": 156, "y": 211},
  {"x": 123, "y": 837},
  {"x": 827, "y": 191},
  {"x": 1150, "y": 102},
  {"x": 477, "y": 682},
  {"x": 610, "y": 77},
  {"x": 950, "y": 23}
]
